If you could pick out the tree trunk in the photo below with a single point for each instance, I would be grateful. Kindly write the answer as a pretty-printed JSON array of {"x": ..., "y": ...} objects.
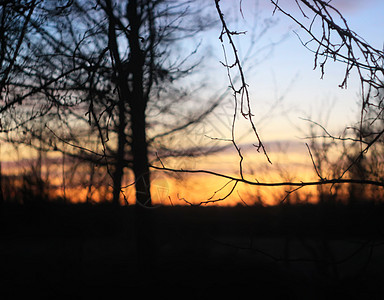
[
  {"x": 143, "y": 218},
  {"x": 124, "y": 97},
  {"x": 121, "y": 140},
  {"x": 133, "y": 94},
  {"x": 139, "y": 146},
  {"x": 138, "y": 104},
  {"x": 139, "y": 150},
  {"x": 137, "y": 101}
]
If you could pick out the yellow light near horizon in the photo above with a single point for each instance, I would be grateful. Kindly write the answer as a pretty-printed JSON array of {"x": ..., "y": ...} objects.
[
  {"x": 169, "y": 188},
  {"x": 213, "y": 190}
]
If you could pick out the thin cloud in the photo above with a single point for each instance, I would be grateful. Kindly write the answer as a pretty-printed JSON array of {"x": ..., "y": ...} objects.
[
  {"x": 352, "y": 5},
  {"x": 342, "y": 5}
]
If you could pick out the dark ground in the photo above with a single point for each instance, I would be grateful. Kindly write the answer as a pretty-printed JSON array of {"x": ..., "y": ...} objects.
[{"x": 291, "y": 252}]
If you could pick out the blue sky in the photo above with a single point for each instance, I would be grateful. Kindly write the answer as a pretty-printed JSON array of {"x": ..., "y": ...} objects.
[{"x": 288, "y": 72}]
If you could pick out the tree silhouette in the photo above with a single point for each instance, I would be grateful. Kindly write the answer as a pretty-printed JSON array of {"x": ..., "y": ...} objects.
[
  {"x": 88, "y": 76},
  {"x": 98, "y": 75},
  {"x": 99, "y": 82},
  {"x": 335, "y": 41}
]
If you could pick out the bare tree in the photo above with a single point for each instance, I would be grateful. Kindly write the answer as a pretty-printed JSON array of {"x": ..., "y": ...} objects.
[
  {"x": 90, "y": 74},
  {"x": 335, "y": 41},
  {"x": 15, "y": 18},
  {"x": 95, "y": 70}
]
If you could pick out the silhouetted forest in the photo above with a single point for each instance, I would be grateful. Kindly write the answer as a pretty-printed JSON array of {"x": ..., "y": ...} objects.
[{"x": 280, "y": 252}]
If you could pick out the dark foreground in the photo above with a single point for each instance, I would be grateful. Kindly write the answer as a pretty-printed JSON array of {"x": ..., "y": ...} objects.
[{"x": 90, "y": 252}]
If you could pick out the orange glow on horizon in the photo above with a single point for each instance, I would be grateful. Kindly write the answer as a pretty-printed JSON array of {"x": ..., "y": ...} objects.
[{"x": 173, "y": 189}]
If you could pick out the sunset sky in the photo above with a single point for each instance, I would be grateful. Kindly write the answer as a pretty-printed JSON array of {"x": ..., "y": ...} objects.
[
  {"x": 284, "y": 90},
  {"x": 288, "y": 71}
]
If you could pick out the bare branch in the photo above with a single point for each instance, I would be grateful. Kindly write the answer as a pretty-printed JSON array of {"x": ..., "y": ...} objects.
[{"x": 245, "y": 103}]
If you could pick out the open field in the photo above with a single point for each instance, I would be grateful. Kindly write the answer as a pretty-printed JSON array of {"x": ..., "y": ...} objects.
[{"x": 287, "y": 252}]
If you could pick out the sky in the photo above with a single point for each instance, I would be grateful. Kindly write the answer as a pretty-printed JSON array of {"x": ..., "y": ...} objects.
[
  {"x": 288, "y": 71},
  {"x": 284, "y": 89}
]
